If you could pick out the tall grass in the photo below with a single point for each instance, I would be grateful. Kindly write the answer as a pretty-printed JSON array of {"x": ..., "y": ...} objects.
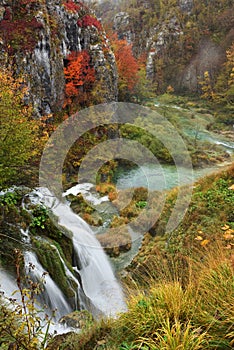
[
  {"x": 215, "y": 284},
  {"x": 166, "y": 314}
]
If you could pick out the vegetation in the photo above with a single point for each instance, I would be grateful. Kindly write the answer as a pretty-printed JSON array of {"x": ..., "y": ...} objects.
[
  {"x": 19, "y": 27},
  {"x": 180, "y": 294},
  {"x": 22, "y": 324},
  {"x": 19, "y": 133},
  {"x": 180, "y": 286},
  {"x": 127, "y": 67},
  {"x": 80, "y": 77}
]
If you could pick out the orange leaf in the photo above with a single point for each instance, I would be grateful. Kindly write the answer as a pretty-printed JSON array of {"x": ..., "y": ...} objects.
[{"x": 205, "y": 242}]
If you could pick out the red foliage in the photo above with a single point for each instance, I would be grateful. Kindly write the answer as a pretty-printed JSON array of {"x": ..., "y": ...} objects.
[
  {"x": 19, "y": 27},
  {"x": 126, "y": 63},
  {"x": 20, "y": 34},
  {"x": 79, "y": 76},
  {"x": 88, "y": 21},
  {"x": 71, "y": 6},
  {"x": 7, "y": 14}
]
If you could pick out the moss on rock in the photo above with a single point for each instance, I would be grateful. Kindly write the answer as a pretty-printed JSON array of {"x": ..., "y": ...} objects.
[{"x": 51, "y": 262}]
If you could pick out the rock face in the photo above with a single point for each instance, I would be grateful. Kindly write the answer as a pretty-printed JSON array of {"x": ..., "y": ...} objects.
[
  {"x": 159, "y": 38},
  {"x": 209, "y": 57},
  {"x": 124, "y": 27},
  {"x": 55, "y": 28},
  {"x": 181, "y": 40},
  {"x": 186, "y": 5},
  {"x": 77, "y": 319}
]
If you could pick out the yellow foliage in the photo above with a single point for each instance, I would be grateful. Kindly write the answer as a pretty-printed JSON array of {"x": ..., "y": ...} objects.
[
  {"x": 225, "y": 227},
  {"x": 198, "y": 238},
  {"x": 204, "y": 242},
  {"x": 20, "y": 134}
]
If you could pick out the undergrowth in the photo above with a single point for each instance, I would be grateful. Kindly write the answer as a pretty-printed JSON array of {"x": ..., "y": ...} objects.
[
  {"x": 171, "y": 315},
  {"x": 182, "y": 298}
]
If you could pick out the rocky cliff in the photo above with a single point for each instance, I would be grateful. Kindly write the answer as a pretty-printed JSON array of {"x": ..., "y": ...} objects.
[
  {"x": 182, "y": 39},
  {"x": 36, "y": 38}
]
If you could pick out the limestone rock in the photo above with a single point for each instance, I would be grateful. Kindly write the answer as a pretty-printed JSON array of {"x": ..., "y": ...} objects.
[
  {"x": 208, "y": 58},
  {"x": 123, "y": 26},
  {"x": 160, "y": 37},
  {"x": 58, "y": 33},
  {"x": 186, "y": 5}
]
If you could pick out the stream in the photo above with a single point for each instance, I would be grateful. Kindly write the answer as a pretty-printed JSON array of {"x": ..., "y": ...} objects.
[
  {"x": 162, "y": 177},
  {"x": 97, "y": 288}
]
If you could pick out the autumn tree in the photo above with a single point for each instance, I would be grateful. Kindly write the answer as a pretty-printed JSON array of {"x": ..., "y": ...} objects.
[
  {"x": 224, "y": 87},
  {"x": 206, "y": 86},
  {"x": 127, "y": 66},
  {"x": 18, "y": 132},
  {"x": 80, "y": 76}
]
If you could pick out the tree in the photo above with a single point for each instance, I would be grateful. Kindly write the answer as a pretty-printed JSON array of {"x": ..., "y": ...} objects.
[
  {"x": 206, "y": 86},
  {"x": 224, "y": 87},
  {"x": 127, "y": 66},
  {"x": 143, "y": 88},
  {"x": 80, "y": 77},
  {"x": 18, "y": 131}
]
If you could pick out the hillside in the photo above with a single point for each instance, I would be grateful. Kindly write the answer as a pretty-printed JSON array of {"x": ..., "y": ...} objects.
[
  {"x": 180, "y": 287},
  {"x": 181, "y": 39},
  {"x": 109, "y": 111},
  {"x": 187, "y": 46}
]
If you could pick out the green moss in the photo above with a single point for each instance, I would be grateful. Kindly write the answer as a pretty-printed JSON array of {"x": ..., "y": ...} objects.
[
  {"x": 79, "y": 204},
  {"x": 208, "y": 212},
  {"x": 51, "y": 262}
]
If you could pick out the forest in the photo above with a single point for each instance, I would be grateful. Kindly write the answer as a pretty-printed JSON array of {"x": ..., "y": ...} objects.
[{"x": 116, "y": 174}]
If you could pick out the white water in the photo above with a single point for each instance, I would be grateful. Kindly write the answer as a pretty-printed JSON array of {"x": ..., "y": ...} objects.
[
  {"x": 84, "y": 189},
  {"x": 225, "y": 144},
  {"x": 8, "y": 285},
  {"x": 70, "y": 277},
  {"x": 98, "y": 280},
  {"x": 52, "y": 296}
]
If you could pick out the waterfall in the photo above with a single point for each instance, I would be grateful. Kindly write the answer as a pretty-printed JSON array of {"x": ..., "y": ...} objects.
[
  {"x": 71, "y": 277},
  {"x": 8, "y": 284},
  {"x": 97, "y": 278},
  {"x": 84, "y": 189},
  {"x": 52, "y": 295}
]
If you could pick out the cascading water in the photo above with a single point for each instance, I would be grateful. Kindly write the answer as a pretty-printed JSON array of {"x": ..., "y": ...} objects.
[
  {"x": 52, "y": 296},
  {"x": 84, "y": 189},
  {"x": 97, "y": 278},
  {"x": 8, "y": 284},
  {"x": 10, "y": 289},
  {"x": 77, "y": 293}
]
